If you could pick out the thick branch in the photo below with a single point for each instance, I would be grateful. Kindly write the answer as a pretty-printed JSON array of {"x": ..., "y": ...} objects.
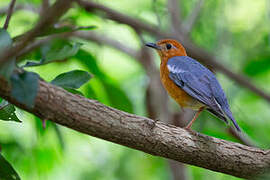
[
  {"x": 90, "y": 117},
  {"x": 192, "y": 49}
]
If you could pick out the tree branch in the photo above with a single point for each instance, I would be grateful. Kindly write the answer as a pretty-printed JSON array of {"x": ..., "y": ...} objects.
[
  {"x": 53, "y": 13},
  {"x": 9, "y": 13},
  {"x": 44, "y": 6},
  {"x": 194, "y": 51},
  {"x": 90, "y": 117}
]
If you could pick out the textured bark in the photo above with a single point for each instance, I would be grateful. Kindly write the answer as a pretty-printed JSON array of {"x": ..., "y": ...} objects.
[{"x": 156, "y": 138}]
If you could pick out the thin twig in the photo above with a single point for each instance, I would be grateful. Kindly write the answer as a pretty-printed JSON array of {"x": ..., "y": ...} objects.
[{"x": 9, "y": 13}]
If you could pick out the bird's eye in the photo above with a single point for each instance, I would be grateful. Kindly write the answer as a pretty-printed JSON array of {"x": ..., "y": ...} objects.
[{"x": 168, "y": 46}]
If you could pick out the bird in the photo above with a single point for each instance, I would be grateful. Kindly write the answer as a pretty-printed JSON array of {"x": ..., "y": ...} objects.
[{"x": 189, "y": 83}]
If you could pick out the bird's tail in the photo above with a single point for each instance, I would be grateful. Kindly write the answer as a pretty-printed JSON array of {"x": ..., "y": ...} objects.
[{"x": 228, "y": 113}]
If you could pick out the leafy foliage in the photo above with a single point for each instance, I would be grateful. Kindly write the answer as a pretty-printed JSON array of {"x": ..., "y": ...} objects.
[
  {"x": 72, "y": 80},
  {"x": 6, "y": 171},
  {"x": 7, "y": 112},
  {"x": 51, "y": 55},
  {"x": 24, "y": 87},
  {"x": 5, "y": 42}
]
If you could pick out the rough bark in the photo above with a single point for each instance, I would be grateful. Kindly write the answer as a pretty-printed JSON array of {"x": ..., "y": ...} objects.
[{"x": 156, "y": 138}]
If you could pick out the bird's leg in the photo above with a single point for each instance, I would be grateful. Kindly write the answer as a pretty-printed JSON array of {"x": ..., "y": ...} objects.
[{"x": 195, "y": 117}]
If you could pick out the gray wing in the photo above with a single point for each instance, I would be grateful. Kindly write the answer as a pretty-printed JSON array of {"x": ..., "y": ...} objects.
[{"x": 200, "y": 83}]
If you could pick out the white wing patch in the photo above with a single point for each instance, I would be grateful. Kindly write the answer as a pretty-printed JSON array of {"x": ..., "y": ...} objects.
[{"x": 174, "y": 69}]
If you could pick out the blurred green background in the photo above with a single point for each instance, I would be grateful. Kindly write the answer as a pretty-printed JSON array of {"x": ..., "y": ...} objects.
[{"x": 235, "y": 31}]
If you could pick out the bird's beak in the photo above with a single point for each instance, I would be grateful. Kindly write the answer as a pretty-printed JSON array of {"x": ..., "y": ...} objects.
[{"x": 153, "y": 45}]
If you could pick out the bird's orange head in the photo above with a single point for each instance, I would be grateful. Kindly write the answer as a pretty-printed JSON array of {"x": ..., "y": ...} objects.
[{"x": 168, "y": 48}]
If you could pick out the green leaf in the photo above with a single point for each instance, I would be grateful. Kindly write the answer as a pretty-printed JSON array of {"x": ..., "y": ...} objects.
[
  {"x": 74, "y": 91},
  {"x": 24, "y": 87},
  {"x": 257, "y": 66},
  {"x": 7, "y": 112},
  {"x": 7, "y": 172},
  {"x": 73, "y": 79},
  {"x": 5, "y": 40},
  {"x": 7, "y": 68},
  {"x": 90, "y": 62},
  {"x": 65, "y": 52},
  {"x": 53, "y": 55}
]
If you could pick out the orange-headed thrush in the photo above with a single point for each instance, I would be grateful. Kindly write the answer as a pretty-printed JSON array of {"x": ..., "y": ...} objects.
[{"x": 190, "y": 83}]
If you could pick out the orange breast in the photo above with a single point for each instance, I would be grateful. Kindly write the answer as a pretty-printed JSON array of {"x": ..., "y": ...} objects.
[{"x": 179, "y": 95}]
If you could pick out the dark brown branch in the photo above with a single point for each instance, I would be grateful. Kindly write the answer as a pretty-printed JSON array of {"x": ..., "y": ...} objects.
[
  {"x": 192, "y": 49},
  {"x": 9, "y": 13},
  {"x": 53, "y": 13},
  {"x": 90, "y": 117}
]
